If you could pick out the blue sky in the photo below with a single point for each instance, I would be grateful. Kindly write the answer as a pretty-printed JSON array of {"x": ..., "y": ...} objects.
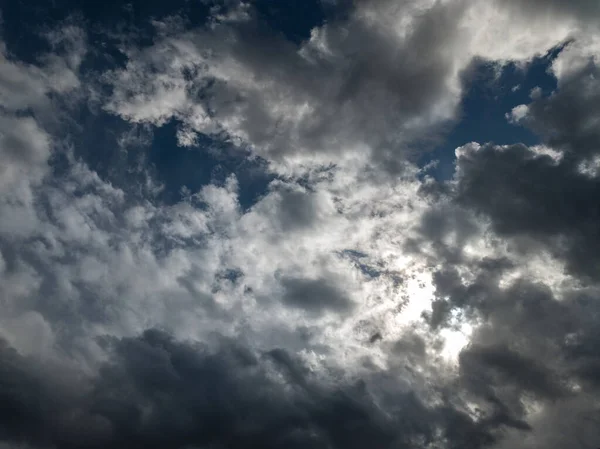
[
  {"x": 320, "y": 224},
  {"x": 491, "y": 93}
]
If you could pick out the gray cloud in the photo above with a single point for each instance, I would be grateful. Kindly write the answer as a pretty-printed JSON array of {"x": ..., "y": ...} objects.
[
  {"x": 523, "y": 355},
  {"x": 354, "y": 86},
  {"x": 532, "y": 195},
  {"x": 584, "y": 10},
  {"x": 315, "y": 294},
  {"x": 567, "y": 119},
  {"x": 345, "y": 308},
  {"x": 157, "y": 392},
  {"x": 546, "y": 196},
  {"x": 515, "y": 238}
]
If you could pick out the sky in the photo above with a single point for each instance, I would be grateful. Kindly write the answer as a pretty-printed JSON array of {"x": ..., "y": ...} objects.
[{"x": 317, "y": 224}]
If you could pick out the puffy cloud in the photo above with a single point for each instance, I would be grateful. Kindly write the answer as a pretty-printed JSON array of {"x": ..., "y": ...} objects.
[
  {"x": 355, "y": 302},
  {"x": 532, "y": 195},
  {"x": 521, "y": 365},
  {"x": 376, "y": 83},
  {"x": 360, "y": 85},
  {"x": 519, "y": 266},
  {"x": 546, "y": 195},
  {"x": 568, "y": 118},
  {"x": 583, "y": 10},
  {"x": 157, "y": 392}
]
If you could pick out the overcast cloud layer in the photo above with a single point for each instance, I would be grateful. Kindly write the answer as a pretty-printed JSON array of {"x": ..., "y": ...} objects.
[{"x": 316, "y": 286}]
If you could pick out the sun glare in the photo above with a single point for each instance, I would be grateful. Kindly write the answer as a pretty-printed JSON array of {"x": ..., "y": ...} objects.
[{"x": 421, "y": 293}]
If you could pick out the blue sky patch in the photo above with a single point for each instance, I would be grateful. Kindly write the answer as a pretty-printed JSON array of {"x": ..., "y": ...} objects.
[{"x": 489, "y": 96}]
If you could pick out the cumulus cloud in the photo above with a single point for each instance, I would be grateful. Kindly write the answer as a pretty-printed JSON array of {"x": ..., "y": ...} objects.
[
  {"x": 360, "y": 85},
  {"x": 560, "y": 213},
  {"x": 158, "y": 392},
  {"x": 377, "y": 83},
  {"x": 568, "y": 118},
  {"x": 357, "y": 301},
  {"x": 526, "y": 273}
]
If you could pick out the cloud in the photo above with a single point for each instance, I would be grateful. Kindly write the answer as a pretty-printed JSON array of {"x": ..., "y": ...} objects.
[
  {"x": 514, "y": 238},
  {"x": 314, "y": 294},
  {"x": 546, "y": 193},
  {"x": 354, "y": 86},
  {"x": 25, "y": 150},
  {"x": 531, "y": 195},
  {"x": 567, "y": 119},
  {"x": 519, "y": 266},
  {"x": 585, "y": 11},
  {"x": 375, "y": 83},
  {"x": 155, "y": 391},
  {"x": 355, "y": 301},
  {"x": 520, "y": 363}
]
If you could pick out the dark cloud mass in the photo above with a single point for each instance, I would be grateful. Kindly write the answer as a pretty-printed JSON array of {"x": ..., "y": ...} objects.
[
  {"x": 551, "y": 198},
  {"x": 222, "y": 225},
  {"x": 156, "y": 392}
]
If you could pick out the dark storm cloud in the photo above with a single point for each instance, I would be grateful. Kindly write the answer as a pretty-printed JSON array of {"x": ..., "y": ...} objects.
[
  {"x": 531, "y": 344},
  {"x": 529, "y": 347},
  {"x": 480, "y": 364},
  {"x": 539, "y": 199},
  {"x": 155, "y": 392},
  {"x": 531, "y": 195},
  {"x": 37, "y": 400}
]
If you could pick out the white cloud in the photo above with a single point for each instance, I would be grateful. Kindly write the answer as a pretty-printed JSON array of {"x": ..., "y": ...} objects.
[
  {"x": 371, "y": 84},
  {"x": 353, "y": 87}
]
